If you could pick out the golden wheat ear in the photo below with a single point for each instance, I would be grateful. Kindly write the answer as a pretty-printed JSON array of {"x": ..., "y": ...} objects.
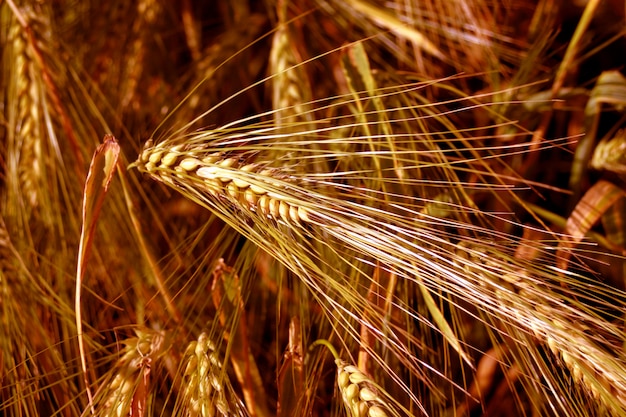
[
  {"x": 360, "y": 395},
  {"x": 251, "y": 188},
  {"x": 128, "y": 388},
  {"x": 206, "y": 390}
]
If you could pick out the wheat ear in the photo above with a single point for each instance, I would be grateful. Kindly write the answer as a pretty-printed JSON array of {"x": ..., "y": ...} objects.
[
  {"x": 247, "y": 186},
  {"x": 535, "y": 310},
  {"x": 290, "y": 86},
  {"x": 148, "y": 12},
  {"x": 27, "y": 120},
  {"x": 206, "y": 389},
  {"x": 360, "y": 394},
  {"x": 497, "y": 281},
  {"x": 127, "y": 391}
]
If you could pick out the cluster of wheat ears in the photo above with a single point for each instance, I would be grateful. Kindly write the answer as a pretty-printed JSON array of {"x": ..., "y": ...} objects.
[{"x": 312, "y": 208}]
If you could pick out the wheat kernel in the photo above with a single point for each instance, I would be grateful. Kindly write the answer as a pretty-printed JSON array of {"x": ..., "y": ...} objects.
[
  {"x": 567, "y": 358},
  {"x": 223, "y": 407},
  {"x": 303, "y": 214},
  {"x": 351, "y": 369},
  {"x": 233, "y": 191},
  {"x": 360, "y": 409},
  {"x": 158, "y": 146},
  {"x": 169, "y": 159},
  {"x": 192, "y": 365},
  {"x": 214, "y": 187},
  {"x": 343, "y": 379},
  {"x": 126, "y": 387},
  {"x": 223, "y": 179},
  {"x": 283, "y": 210},
  {"x": 212, "y": 158},
  {"x": 208, "y": 172},
  {"x": 228, "y": 162},
  {"x": 179, "y": 172},
  {"x": 266, "y": 172},
  {"x": 367, "y": 394},
  {"x": 553, "y": 345},
  {"x": 258, "y": 189},
  {"x": 240, "y": 183},
  {"x": 357, "y": 377},
  {"x": 577, "y": 373},
  {"x": 155, "y": 156},
  {"x": 203, "y": 369},
  {"x": 293, "y": 214},
  {"x": 249, "y": 168},
  {"x": 376, "y": 411},
  {"x": 117, "y": 381},
  {"x": 592, "y": 387},
  {"x": 120, "y": 410},
  {"x": 213, "y": 357},
  {"x": 203, "y": 389},
  {"x": 189, "y": 164},
  {"x": 352, "y": 393},
  {"x": 194, "y": 406},
  {"x": 264, "y": 205},
  {"x": 215, "y": 383},
  {"x": 148, "y": 149},
  {"x": 207, "y": 410},
  {"x": 274, "y": 207},
  {"x": 250, "y": 197}
]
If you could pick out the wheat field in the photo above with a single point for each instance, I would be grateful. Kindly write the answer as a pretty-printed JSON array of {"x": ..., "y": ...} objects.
[{"x": 312, "y": 208}]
